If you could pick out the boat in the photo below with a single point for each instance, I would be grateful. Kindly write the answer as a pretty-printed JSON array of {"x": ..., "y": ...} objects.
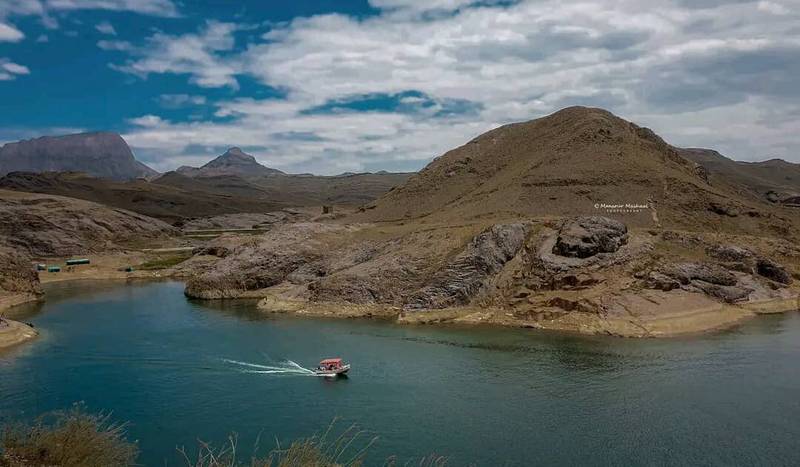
[{"x": 332, "y": 367}]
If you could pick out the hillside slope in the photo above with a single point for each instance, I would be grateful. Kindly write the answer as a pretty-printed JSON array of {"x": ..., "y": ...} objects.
[
  {"x": 46, "y": 225},
  {"x": 774, "y": 180},
  {"x": 572, "y": 163},
  {"x": 185, "y": 198},
  {"x": 100, "y": 154}
]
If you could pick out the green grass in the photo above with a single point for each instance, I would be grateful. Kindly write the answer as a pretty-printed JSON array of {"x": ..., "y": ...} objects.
[{"x": 163, "y": 262}]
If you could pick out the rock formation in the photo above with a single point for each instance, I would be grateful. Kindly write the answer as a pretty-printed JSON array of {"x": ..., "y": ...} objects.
[
  {"x": 587, "y": 236},
  {"x": 45, "y": 225},
  {"x": 101, "y": 154}
]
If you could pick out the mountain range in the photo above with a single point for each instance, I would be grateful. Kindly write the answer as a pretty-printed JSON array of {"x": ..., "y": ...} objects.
[
  {"x": 232, "y": 183},
  {"x": 564, "y": 164}
]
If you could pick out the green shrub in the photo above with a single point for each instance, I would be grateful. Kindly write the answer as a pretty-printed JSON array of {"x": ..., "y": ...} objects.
[{"x": 164, "y": 262}]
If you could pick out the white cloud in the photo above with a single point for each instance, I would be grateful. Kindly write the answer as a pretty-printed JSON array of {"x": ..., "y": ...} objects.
[
  {"x": 663, "y": 66},
  {"x": 174, "y": 101},
  {"x": 122, "y": 46},
  {"x": 773, "y": 7},
  {"x": 15, "y": 68},
  {"x": 718, "y": 74},
  {"x": 10, "y": 70},
  {"x": 106, "y": 28},
  {"x": 9, "y": 33},
  {"x": 192, "y": 54},
  {"x": 164, "y": 8},
  {"x": 42, "y": 39}
]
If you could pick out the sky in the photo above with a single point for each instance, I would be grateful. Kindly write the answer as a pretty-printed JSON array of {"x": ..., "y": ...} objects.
[{"x": 332, "y": 86}]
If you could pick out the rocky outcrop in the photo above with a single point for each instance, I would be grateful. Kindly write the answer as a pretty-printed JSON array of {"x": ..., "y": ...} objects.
[
  {"x": 17, "y": 275},
  {"x": 46, "y": 226},
  {"x": 583, "y": 237},
  {"x": 744, "y": 260},
  {"x": 772, "y": 270},
  {"x": 259, "y": 263},
  {"x": 469, "y": 272},
  {"x": 100, "y": 154},
  {"x": 711, "y": 279}
]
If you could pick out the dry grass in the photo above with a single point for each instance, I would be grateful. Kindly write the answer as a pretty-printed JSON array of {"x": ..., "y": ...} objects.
[
  {"x": 74, "y": 438},
  {"x": 347, "y": 449},
  {"x": 66, "y": 439}
]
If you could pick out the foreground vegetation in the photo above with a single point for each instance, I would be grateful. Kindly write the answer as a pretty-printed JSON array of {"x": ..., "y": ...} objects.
[
  {"x": 165, "y": 262},
  {"x": 75, "y": 438}
]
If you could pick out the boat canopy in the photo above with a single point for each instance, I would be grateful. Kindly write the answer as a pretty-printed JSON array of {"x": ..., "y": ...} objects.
[{"x": 331, "y": 361}]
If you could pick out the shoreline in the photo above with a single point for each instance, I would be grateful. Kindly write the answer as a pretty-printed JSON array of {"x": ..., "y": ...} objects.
[
  {"x": 680, "y": 324},
  {"x": 690, "y": 322},
  {"x": 13, "y": 333}
]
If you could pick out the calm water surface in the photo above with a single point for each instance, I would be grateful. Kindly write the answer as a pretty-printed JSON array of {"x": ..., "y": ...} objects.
[{"x": 483, "y": 396}]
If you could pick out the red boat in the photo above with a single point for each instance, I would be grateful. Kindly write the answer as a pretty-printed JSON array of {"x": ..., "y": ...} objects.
[{"x": 332, "y": 367}]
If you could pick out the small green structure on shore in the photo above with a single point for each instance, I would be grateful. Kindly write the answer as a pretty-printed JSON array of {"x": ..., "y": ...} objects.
[
  {"x": 75, "y": 262},
  {"x": 54, "y": 269}
]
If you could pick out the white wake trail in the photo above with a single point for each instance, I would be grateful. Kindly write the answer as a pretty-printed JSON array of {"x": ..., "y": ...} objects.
[{"x": 286, "y": 368}]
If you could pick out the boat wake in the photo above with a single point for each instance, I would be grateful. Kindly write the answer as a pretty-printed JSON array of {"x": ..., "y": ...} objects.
[{"x": 287, "y": 367}]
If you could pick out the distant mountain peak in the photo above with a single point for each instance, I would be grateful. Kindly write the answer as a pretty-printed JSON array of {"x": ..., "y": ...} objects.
[
  {"x": 233, "y": 162},
  {"x": 100, "y": 154}
]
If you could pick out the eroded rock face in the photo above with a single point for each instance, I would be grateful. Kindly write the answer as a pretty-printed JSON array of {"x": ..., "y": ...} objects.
[
  {"x": 468, "y": 273},
  {"x": 711, "y": 279},
  {"x": 730, "y": 253},
  {"x": 17, "y": 275},
  {"x": 259, "y": 263},
  {"x": 772, "y": 270},
  {"x": 583, "y": 237},
  {"x": 744, "y": 260},
  {"x": 688, "y": 272}
]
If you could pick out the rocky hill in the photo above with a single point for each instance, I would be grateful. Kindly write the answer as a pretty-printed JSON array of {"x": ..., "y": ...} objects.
[
  {"x": 233, "y": 162},
  {"x": 578, "y": 161},
  {"x": 100, "y": 154},
  {"x": 774, "y": 180},
  {"x": 497, "y": 231},
  {"x": 52, "y": 226}
]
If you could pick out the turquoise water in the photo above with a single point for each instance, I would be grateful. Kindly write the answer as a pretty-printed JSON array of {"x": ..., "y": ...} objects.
[{"x": 477, "y": 395}]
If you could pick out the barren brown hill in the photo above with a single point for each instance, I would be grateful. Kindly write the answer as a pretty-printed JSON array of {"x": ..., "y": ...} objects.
[
  {"x": 47, "y": 225},
  {"x": 572, "y": 163},
  {"x": 171, "y": 198},
  {"x": 774, "y": 180},
  {"x": 101, "y": 154}
]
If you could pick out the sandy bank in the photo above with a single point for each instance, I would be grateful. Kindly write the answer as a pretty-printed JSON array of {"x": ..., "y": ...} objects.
[
  {"x": 13, "y": 333},
  {"x": 107, "y": 266},
  {"x": 703, "y": 317}
]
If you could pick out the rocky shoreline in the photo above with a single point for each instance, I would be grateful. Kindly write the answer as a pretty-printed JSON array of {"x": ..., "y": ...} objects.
[{"x": 589, "y": 275}]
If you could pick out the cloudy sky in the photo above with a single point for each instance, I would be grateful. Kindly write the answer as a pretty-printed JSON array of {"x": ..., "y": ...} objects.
[{"x": 329, "y": 86}]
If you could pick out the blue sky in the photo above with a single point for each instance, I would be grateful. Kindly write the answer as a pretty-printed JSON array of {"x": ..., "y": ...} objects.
[{"x": 335, "y": 85}]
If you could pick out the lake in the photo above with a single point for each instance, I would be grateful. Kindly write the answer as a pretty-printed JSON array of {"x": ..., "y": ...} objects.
[{"x": 180, "y": 370}]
